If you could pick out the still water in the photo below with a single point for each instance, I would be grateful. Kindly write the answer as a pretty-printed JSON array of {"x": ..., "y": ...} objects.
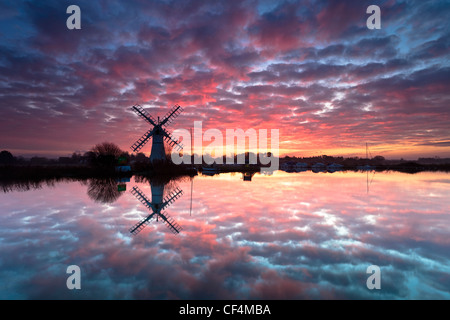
[{"x": 284, "y": 236}]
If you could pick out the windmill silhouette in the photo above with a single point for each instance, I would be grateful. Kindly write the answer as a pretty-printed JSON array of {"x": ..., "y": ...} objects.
[
  {"x": 158, "y": 132},
  {"x": 157, "y": 205}
]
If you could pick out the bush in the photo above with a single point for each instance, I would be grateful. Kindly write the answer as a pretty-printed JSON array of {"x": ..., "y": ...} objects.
[
  {"x": 104, "y": 154},
  {"x": 6, "y": 157}
]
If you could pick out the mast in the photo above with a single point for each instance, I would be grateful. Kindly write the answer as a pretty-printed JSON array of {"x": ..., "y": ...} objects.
[
  {"x": 192, "y": 189},
  {"x": 192, "y": 178},
  {"x": 367, "y": 151}
]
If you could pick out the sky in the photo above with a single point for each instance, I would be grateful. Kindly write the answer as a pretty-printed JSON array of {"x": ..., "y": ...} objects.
[{"x": 311, "y": 69}]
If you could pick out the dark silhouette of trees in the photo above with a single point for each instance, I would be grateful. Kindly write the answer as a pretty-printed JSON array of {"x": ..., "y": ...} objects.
[
  {"x": 140, "y": 157},
  {"x": 103, "y": 190},
  {"x": 379, "y": 158},
  {"x": 6, "y": 157},
  {"x": 104, "y": 154}
]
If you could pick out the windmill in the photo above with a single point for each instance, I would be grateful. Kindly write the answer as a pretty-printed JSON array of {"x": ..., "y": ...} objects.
[
  {"x": 157, "y": 205},
  {"x": 158, "y": 132}
]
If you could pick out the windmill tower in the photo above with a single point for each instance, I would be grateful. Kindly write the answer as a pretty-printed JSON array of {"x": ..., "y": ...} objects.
[
  {"x": 158, "y": 132},
  {"x": 156, "y": 206}
]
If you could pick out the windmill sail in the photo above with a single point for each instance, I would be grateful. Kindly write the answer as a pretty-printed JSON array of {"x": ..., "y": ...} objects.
[
  {"x": 172, "y": 197},
  {"x": 142, "y": 141},
  {"x": 141, "y": 197},
  {"x": 174, "y": 112},
  {"x": 171, "y": 141},
  {"x": 157, "y": 210},
  {"x": 138, "y": 227},
  {"x": 171, "y": 115},
  {"x": 143, "y": 114},
  {"x": 170, "y": 223},
  {"x": 158, "y": 133}
]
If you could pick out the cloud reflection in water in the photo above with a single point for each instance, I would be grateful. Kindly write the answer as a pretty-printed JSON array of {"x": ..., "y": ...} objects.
[{"x": 286, "y": 236}]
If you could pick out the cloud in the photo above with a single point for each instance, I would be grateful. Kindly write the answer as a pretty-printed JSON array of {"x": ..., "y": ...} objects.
[
  {"x": 312, "y": 63},
  {"x": 301, "y": 244}
]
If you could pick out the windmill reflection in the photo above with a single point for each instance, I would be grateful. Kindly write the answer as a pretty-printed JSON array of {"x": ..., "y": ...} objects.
[{"x": 156, "y": 206}]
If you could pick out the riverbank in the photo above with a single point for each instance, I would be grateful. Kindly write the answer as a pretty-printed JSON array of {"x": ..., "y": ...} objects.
[{"x": 39, "y": 172}]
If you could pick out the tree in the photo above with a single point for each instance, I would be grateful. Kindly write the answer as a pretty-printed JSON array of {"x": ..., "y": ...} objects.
[
  {"x": 76, "y": 157},
  {"x": 141, "y": 157},
  {"x": 379, "y": 159},
  {"x": 104, "y": 154},
  {"x": 103, "y": 190},
  {"x": 6, "y": 157}
]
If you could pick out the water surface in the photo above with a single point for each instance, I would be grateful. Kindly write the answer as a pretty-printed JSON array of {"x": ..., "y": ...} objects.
[{"x": 285, "y": 236}]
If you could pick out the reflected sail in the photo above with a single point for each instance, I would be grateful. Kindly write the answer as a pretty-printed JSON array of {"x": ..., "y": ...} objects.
[{"x": 157, "y": 206}]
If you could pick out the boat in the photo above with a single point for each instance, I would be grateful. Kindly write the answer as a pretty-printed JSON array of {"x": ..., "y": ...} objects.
[
  {"x": 366, "y": 167},
  {"x": 288, "y": 166},
  {"x": 318, "y": 167},
  {"x": 334, "y": 167},
  {"x": 210, "y": 170},
  {"x": 301, "y": 166}
]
